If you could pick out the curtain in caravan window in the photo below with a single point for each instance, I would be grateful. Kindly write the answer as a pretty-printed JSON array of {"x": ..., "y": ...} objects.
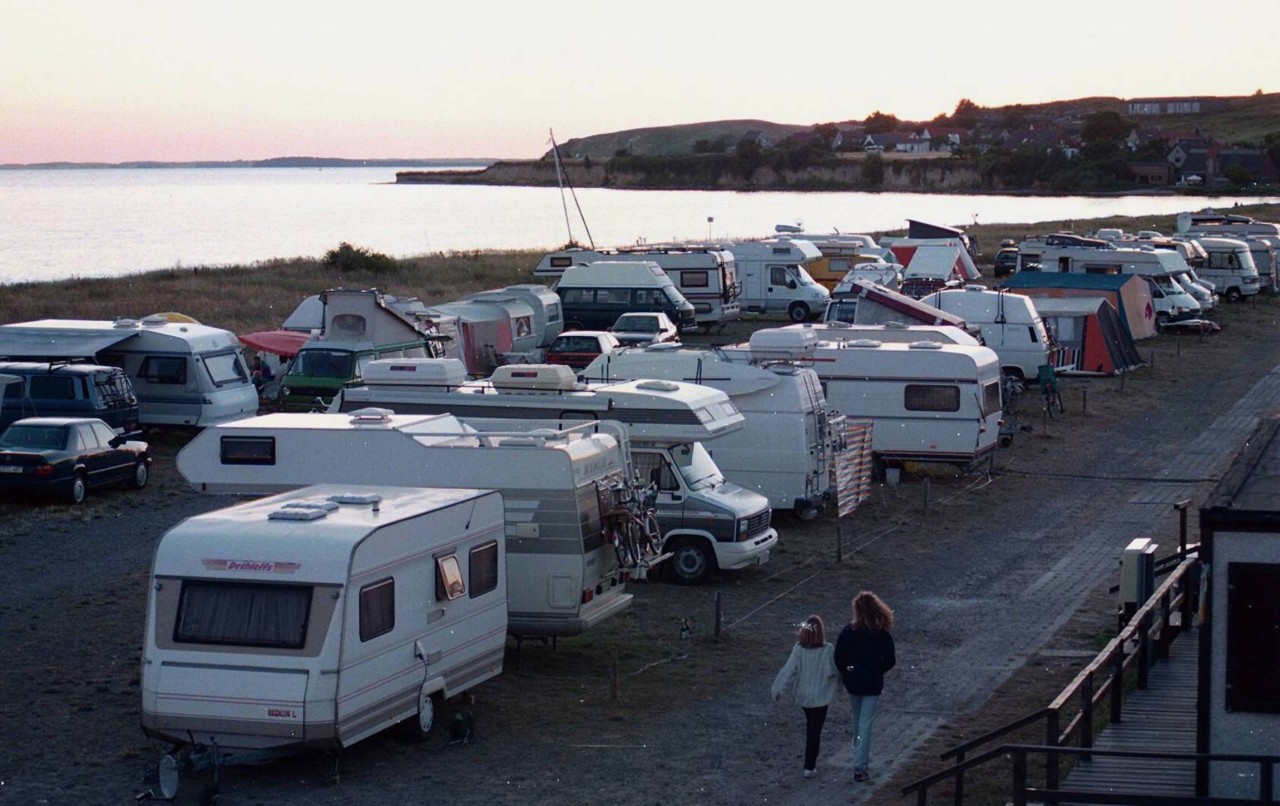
[
  {"x": 347, "y": 327},
  {"x": 243, "y": 614}
]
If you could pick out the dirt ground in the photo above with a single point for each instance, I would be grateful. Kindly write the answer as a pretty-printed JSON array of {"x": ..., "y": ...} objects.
[{"x": 982, "y": 637}]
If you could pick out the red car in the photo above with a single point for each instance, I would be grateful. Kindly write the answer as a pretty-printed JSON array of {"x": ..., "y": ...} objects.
[{"x": 577, "y": 348}]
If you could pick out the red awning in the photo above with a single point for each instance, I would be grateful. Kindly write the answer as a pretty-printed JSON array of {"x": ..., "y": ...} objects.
[{"x": 277, "y": 342}]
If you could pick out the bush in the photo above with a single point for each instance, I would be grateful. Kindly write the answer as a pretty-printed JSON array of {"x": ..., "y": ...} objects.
[{"x": 348, "y": 258}]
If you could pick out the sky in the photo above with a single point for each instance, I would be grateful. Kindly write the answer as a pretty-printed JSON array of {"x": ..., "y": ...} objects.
[{"x": 180, "y": 80}]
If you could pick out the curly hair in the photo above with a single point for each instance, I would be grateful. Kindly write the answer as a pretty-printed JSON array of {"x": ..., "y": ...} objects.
[
  {"x": 871, "y": 612},
  {"x": 811, "y": 633}
]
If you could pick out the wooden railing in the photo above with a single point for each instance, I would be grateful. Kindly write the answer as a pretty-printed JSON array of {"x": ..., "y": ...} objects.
[{"x": 1143, "y": 641}]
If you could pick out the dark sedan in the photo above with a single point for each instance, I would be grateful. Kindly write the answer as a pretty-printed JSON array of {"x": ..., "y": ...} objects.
[{"x": 68, "y": 456}]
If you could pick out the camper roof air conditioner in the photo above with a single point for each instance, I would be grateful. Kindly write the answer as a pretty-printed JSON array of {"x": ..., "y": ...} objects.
[
  {"x": 125, "y": 323},
  {"x": 862, "y": 343},
  {"x": 371, "y": 416},
  {"x": 296, "y": 514},
  {"x": 658, "y": 386},
  {"x": 663, "y": 347},
  {"x": 541, "y": 377},
  {"x": 154, "y": 320},
  {"x": 416, "y": 371},
  {"x": 327, "y": 506},
  {"x": 925, "y": 345},
  {"x": 782, "y": 344},
  {"x": 355, "y": 499}
]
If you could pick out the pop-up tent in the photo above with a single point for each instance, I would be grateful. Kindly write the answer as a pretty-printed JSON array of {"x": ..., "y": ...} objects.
[
  {"x": 1092, "y": 337},
  {"x": 1127, "y": 292}
]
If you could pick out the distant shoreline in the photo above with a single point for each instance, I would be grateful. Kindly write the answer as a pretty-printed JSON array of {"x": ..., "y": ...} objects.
[{"x": 274, "y": 162}]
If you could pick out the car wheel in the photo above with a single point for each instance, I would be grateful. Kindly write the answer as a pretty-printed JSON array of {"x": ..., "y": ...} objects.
[
  {"x": 798, "y": 312},
  {"x": 418, "y": 727},
  {"x": 573, "y": 326},
  {"x": 691, "y": 561},
  {"x": 79, "y": 487},
  {"x": 1234, "y": 295},
  {"x": 141, "y": 473},
  {"x": 807, "y": 513}
]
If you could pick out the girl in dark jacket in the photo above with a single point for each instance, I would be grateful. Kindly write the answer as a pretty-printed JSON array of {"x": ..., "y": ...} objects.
[{"x": 864, "y": 652}]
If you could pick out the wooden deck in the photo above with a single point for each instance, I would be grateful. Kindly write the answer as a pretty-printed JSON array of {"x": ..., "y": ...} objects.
[{"x": 1159, "y": 719}]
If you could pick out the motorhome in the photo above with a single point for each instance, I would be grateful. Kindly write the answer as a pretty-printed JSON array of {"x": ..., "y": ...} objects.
[
  {"x": 183, "y": 373},
  {"x": 707, "y": 522},
  {"x": 594, "y": 295},
  {"x": 563, "y": 576},
  {"x": 707, "y": 277},
  {"x": 1210, "y": 223},
  {"x": 775, "y": 279},
  {"x": 928, "y": 402},
  {"x": 792, "y": 440},
  {"x": 68, "y": 390},
  {"x": 843, "y": 253},
  {"x": 319, "y": 617},
  {"x": 1229, "y": 266},
  {"x": 1186, "y": 277},
  {"x": 1009, "y": 325},
  {"x": 1063, "y": 252}
]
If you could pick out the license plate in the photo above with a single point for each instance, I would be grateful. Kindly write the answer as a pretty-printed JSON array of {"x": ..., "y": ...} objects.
[{"x": 10, "y": 468}]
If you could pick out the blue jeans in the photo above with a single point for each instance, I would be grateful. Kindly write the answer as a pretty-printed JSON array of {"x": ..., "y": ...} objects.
[{"x": 864, "y": 713}]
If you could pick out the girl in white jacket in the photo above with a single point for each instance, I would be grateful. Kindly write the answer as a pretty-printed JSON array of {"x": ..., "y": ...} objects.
[{"x": 809, "y": 680}]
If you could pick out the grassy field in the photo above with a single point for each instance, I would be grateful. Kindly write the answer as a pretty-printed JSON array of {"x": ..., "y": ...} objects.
[{"x": 244, "y": 299}]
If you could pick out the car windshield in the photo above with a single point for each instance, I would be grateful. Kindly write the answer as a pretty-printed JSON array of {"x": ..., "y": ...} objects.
[
  {"x": 34, "y": 437},
  {"x": 697, "y": 468},
  {"x": 322, "y": 364}
]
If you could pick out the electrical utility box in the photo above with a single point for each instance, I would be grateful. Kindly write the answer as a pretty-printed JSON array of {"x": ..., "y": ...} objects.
[{"x": 1137, "y": 576}]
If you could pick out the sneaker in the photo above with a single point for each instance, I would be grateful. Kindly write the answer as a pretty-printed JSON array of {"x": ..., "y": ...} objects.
[
  {"x": 810, "y": 773},
  {"x": 861, "y": 775}
]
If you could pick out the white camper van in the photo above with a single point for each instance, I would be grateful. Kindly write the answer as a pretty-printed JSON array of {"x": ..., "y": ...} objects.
[
  {"x": 928, "y": 402},
  {"x": 774, "y": 279},
  {"x": 316, "y": 618},
  {"x": 183, "y": 373},
  {"x": 707, "y": 522},
  {"x": 707, "y": 277},
  {"x": 1229, "y": 266},
  {"x": 792, "y": 438},
  {"x": 563, "y": 577},
  {"x": 1009, "y": 325}
]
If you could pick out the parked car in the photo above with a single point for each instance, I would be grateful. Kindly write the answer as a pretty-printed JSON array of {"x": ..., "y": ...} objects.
[
  {"x": 633, "y": 329},
  {"x": 68, "y": 456},
  {"x": 1006, "y": 262},
  {"x": 577, "y": 348}
]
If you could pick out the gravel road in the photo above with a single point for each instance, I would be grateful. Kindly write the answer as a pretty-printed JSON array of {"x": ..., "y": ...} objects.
[{"x": 981, "y": 580}]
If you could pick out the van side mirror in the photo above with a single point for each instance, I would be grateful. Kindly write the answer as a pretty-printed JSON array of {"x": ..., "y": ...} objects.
[{"x": 791, "y": 284}]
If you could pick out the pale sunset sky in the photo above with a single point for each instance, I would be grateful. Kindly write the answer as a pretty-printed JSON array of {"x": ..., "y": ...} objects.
[{"x": 178, "y": 80}]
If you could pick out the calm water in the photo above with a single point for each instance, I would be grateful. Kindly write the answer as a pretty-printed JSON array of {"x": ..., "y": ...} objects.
[{"x": 56, "y": 224}]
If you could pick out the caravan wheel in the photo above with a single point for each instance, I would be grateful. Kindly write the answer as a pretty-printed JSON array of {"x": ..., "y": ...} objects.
[{"x": 418, "y": 728}]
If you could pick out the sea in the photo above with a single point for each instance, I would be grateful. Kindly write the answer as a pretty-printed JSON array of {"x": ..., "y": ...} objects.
[{"x": 105, "y": 222}]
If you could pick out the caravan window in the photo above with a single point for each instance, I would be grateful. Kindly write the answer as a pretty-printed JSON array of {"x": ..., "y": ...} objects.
[
  {"x": 991, "y": 397},
  {"x": 224, "y": 368},
  {"x": 695, "y": 279},
  {"x": 248, "y": 450},
  {"x": 553, "y": 312},
  {"x": 449, "y": 585},
  {"x": 243, "y": 614},
  {"x": 923, "y": 397},
  {"x": 164, "y": 369},
  {"x": 483, "y": 572},
  {"x": 377, "y": 609}
]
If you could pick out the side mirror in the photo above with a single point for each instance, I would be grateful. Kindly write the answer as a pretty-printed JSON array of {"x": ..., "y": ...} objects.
[
  {"x": 791, "y": 284},
  {"x": 117, "y": 441}
]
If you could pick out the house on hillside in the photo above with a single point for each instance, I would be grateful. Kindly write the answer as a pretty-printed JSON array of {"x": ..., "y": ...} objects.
[
  {"x": 888, "y": 141},
  {"x": 848, "y": 139},
  {"x": 752, "y": 136},
  {"x": 943, "y": 138},
  {"x": 1151, "y": 173},
  {"x": 1253, "y": 163}
]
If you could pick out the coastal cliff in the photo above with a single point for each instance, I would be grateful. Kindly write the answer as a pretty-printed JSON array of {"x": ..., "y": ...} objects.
[{"x": 861, "y": 172}]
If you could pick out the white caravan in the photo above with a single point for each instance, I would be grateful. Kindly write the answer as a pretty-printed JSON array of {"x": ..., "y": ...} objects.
[
  {"x": 774, "y": 278},
  {"x": 562, "y": 575},
  {"x": 792, "y": 438},
  {"x": 317, "y": 618},
  {"x": 707, "y": 277},
  {"x": 928, "y": 402},
  {"x": 542, "y": 301},
  {"x": 706, "y": 521},
  {"x": 1063, "y": 252},
  {"x": 183, "y": 373},
  {"x": 1009, "y": 325}
]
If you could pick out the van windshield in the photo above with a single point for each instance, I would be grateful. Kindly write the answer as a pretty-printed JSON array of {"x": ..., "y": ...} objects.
[
  {"x": 803, "y": 276},
  {"x": 239, "y": 614},
  {"x": 322, "y": 364},
  {"x": 697, "y": 468}
]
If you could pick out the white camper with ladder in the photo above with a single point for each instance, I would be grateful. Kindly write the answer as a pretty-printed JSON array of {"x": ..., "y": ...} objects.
[
  {"x": 563, "y": 576},
  {"x": 707, "y": 522},
  {"x": 317, "y": 618}
]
